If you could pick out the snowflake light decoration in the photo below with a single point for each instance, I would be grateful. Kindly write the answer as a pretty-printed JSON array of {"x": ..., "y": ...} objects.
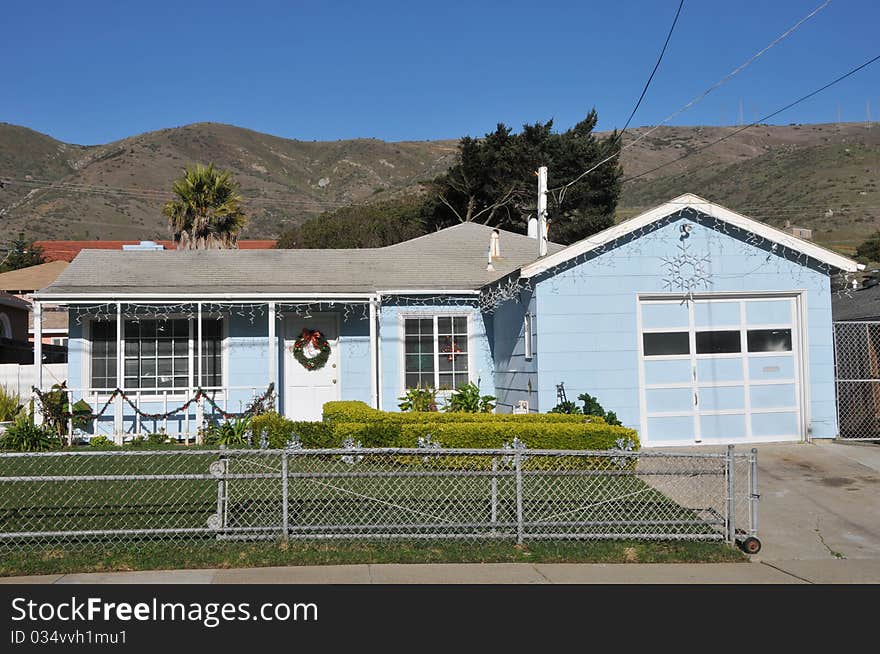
[
  {"x": 427, "y": 443},
  {"x": 350, "y": 444},
  {"x": 623, "y": 445},
  {"x": 516, "y": 445},
  {"x": 686, "y": 271}
]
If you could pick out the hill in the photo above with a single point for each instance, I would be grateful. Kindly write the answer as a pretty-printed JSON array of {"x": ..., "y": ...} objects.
[{"x": 823, "y": 177}]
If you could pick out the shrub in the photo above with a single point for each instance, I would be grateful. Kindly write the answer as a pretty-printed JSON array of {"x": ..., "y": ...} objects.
[
  {"x": 566, "y": 407},
  {"x": 419, "y": 399},
  {"x": 349, "y": 411},
  {"x": 467, "y": 399},
  {"x": 280, "y": 431},
  {"x": 25, "y": 436},
  {"x": 10, "y": 404},
  {"x": 101, "y": 442},
  {"x": 593, "y": 408},
  {"x": 232, "y": 433}
]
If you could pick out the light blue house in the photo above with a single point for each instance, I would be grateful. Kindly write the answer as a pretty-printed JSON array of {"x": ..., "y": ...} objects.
[{"x": 694, "y": 323}]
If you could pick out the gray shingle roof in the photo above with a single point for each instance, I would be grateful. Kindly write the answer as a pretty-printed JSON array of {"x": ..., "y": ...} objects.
[
  {"x": 450, "y": 259},
  {"x": 861, "y": 304}
]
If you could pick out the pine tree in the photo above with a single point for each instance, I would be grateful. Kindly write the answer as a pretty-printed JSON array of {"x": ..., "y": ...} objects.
[{"x": 22, "y": 254}]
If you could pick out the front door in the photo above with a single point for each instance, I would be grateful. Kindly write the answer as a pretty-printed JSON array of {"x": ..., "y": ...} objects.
[{"x": 305, "y": 391}]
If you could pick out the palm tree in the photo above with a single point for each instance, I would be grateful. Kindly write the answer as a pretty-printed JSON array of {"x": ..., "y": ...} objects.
[{"x": 207, "y": 212}]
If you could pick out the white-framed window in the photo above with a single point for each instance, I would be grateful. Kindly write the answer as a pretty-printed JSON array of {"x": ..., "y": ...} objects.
[
  {"x": 436, "y": 351},
  {"x": 528, "y": 347},
  {"x": 59, "y": 340},
  {"x": 157, "y": 354}
]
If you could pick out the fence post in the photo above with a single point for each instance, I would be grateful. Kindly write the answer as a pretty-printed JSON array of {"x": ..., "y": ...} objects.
[
  {"x": 70, "y": 419},
  {"x": 200, "y": 418},
  {"x": 221, "y": 488},
  {"x": 753, "y": 494},
  {"x": 731, "y": 502},
  {"x": 285, "y": 525},
  {"x": 494, "y": 506},
  {"x": 517, "y": 461}
]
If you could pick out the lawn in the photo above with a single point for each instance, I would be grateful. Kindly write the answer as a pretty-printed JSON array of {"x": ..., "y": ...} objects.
[{"x": 450, "y": 507}]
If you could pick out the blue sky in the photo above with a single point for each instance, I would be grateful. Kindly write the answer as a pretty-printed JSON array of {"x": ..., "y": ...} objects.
[{"x": 94, "y": 71}]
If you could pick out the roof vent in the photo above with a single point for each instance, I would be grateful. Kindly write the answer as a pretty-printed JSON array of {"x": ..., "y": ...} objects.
[
  {"x": 533, "y": 227},
  {"x": 494, "y": 248}
]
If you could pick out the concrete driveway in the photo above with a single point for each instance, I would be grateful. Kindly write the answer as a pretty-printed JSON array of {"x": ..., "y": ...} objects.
[{"x": 819, "y": 501}]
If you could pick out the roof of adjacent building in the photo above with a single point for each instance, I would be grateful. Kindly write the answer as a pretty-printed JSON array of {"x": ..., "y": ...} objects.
[
  {"x": 54, "y": 320},
  {"x": 450, "y": 259},
  {"x": 9, "y": 300},
  {"x": 67, "y": 250},
  {"x": 32, "y": 278},
  {"x": 857, "y": 304}
]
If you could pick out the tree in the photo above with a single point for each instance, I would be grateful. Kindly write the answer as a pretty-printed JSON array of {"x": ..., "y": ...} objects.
[
  {"x": 207, "y": 212},
  {"x": 21, "y": 254},
  {"x": 365, "y": 226},
  {"x": 869, "y": 251},
  {"x": 493, "y": 181}
]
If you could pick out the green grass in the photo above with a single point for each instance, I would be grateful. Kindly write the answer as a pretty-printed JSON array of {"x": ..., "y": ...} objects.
[{"x": 159, "y": 556}]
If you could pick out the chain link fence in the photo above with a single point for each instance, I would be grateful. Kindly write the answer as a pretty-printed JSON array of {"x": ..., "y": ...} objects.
[
  {"x": 857, "y": 373},
  {"x": 198, "y": 496}
]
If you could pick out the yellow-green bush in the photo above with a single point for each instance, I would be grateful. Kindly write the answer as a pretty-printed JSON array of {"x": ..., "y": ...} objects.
[{"x": 350, "y": 411}]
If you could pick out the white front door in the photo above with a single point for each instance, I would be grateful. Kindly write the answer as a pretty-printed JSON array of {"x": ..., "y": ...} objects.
[
  {"x": 305, "y": 391},
  {"x": 720, "y": 370}
]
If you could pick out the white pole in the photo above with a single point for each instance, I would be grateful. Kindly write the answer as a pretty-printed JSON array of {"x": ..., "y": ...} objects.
[
  {"x": 199, "y": 345},
  {"x": 374, "y": 381},
  {"x": 273, "y": 344},
  {"x": 379, "y": 351},
  {"x": 542, "y": 211},
  {"x": 117, "y": 412},
  {"x": 38, "y": 359}
]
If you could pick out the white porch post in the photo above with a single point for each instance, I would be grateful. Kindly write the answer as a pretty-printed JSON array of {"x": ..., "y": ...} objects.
[
  {"x": 38, "y": 359},
  {"x": 273, "y": 344},
  {"x": 374, "y": 355},
  {"x": 117, "y": 406},
  {"x": 200, "y": 403}
]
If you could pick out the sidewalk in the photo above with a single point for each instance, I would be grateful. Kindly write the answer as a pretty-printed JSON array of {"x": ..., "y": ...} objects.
[{"x": 755, "y": 572}]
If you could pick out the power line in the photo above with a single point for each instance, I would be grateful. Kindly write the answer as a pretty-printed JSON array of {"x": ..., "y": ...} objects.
[
  {"x": 760, "y": 120},
  {"x": 729, "y": 76},
  {"x": 656, "y": 66}
]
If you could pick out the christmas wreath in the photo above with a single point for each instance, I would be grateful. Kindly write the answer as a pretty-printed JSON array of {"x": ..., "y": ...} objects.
[{"x": 311, "y": 349}]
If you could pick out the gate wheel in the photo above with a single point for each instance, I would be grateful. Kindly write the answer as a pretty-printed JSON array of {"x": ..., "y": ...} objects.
[{"x": 751, "y": 545}]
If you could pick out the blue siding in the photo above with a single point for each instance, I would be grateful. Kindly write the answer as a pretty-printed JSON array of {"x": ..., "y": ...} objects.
[
  {"x": 516, "y": 378},
  {"x": 588, "y": 320},
  {"x": 391, "y": 329}
]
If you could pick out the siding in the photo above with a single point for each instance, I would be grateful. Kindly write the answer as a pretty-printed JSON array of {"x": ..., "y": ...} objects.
[
  {"x": 587, "y": 327},
  {"x": 516, "y": 378}
]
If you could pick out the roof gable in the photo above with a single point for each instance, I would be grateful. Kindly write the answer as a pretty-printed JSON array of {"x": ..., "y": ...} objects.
[{"x": 689, "y": 200}]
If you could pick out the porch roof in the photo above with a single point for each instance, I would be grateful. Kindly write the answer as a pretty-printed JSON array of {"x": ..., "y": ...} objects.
[{"x": 452, "y": 258}]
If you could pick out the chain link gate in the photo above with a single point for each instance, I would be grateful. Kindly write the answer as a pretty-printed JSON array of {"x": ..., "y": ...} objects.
[{"x": 857, "y": 379}]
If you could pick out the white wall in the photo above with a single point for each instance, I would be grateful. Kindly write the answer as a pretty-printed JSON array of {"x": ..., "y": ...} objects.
[{"x": 19, "y": 379}]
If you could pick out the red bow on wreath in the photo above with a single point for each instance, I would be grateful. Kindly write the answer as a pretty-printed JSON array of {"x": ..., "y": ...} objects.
[
  {"x": 450, "y": 347},
  {"x": 314, "y": 340},
  {"x": 312, "y": 336}
]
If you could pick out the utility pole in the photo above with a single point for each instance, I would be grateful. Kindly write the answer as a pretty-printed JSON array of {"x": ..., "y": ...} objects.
[{"x": 542, "y": 211}]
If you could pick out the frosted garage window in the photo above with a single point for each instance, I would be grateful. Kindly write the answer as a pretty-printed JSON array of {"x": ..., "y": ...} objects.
[
  {"x": 769, "y": 340},
  {"x": 720, "y": 342},
  {"x": 665, "y": 343}
]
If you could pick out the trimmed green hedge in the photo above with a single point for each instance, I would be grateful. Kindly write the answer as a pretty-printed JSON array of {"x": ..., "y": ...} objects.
[{"x": 352, "y": 411}]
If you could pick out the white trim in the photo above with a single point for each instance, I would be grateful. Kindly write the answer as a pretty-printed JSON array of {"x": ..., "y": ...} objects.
[
  {"x": 374, "y": 366},
  {"x": 426, "y": 312},
  {"x": 246, "y": 298},
  {"x": 689, "y": 200}
]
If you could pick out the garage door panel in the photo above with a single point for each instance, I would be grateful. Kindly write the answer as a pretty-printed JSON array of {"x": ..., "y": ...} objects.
[
  {"x": 665, "y": 429},
  {"x": 724, "y": 427},
  {"x": 716, "y": 314},
  {"x": 669, "y": 399},
  {"x": 773, "y": 396},
  {"x": 768, "y": 312},
  {"x": 771, "y": 368},
  {"x": 728, "y": 369},
  {"x": 722, "y": 398},
  {"x": 669, "y": 371},
  {"x": 665, "y": 314},
  {"x": 780, "y": 424}
]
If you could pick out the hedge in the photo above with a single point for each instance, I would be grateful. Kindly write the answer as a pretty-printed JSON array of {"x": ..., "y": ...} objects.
[{"x": 352, "y": 411}]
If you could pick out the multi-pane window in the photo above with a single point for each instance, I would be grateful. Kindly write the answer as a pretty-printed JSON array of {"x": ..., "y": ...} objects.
[
  {"x": 103, "y": 336},
  {"x": 157, "y": 353},
  {"x": 436, "y": 352}
]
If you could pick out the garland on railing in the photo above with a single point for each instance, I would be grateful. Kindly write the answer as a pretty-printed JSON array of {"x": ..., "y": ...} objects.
[{"x": 256, "y": 407}]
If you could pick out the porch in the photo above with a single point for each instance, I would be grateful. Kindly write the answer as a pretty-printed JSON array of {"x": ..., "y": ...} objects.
[{"x": 168, "y": 365}]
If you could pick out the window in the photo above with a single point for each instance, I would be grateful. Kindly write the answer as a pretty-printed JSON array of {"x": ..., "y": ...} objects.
[
  {"x": 769, "y": 340},
  {"x": 665, "y": 343},
  {"x": 157, "y": 353},
  {"x": 721, "y": 342},
  {"x": 527, "y": 336},
  {"x": 59, "y": 341},
  {"x": 103, "y": 337},
  {"x": 436, "y": 352}
]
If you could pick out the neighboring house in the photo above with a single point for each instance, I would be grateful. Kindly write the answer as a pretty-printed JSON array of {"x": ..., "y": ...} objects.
[
  {"x": 695, "y": 324},
  {"x": 800, "y": 232},
  {"x": 24, "y": 282},
  {"x": 67, "y": 250},
  {"x": 14, "y": 345}
]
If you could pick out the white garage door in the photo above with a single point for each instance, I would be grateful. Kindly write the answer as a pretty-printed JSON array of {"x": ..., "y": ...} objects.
[{"x": 720, "y": 370}]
